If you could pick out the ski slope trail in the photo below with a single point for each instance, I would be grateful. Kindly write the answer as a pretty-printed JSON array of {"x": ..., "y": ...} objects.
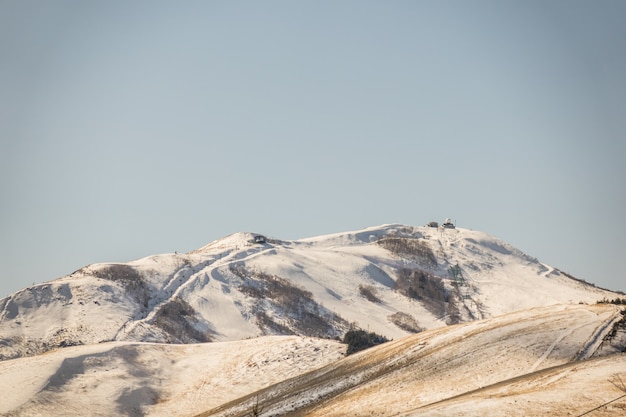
[{"x": 391, "y": 279}]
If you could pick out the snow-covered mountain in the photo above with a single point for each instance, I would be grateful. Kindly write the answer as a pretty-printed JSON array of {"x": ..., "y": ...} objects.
[
  {"x": 496, "y": 329},
  {"x": 392, "y": 279},
  {"x": 554, "y": 360}
]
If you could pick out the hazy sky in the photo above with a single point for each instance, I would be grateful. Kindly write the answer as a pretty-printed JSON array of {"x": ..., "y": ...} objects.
[{"x": 130, "y": 128}]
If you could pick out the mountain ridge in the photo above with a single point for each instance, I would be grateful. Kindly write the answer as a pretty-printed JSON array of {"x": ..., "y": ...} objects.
[
  {"x": 252, "y": 324},
  {"x": 245, "y": 284}
]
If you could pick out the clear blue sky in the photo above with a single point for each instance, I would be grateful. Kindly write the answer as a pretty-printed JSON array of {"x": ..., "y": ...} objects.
[{"x": 143, "y": 127}]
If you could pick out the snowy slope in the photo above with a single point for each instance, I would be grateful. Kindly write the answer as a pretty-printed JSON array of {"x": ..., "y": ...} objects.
[
  {"x": 596, "y": 387},
  {"x": 527, "y": 363},
  {"x": 523, "y": 362},
  {"x": 125, "y": 378},
  {"x": 233, "y": 288}
]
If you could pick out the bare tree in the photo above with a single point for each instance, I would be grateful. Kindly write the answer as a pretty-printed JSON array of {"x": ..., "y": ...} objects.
[{"x": 257, "y": 408}]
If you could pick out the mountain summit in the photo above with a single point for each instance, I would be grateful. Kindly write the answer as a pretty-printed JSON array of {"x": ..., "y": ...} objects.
[
  {"x": 391, "y": 279},
  {"x": 129, "y": 338}
]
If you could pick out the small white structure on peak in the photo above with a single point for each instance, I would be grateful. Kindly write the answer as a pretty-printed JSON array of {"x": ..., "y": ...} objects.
[
  {"x": 259, "y": 239},
  {"x": 447, "y": 224}
]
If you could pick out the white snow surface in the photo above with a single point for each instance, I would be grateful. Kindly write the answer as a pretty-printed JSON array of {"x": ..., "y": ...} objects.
[
  {"x": 127, "y": 378},
  {"x": 122, "y": 302},
  {"x": 121, "y": 338},
  {"x": 521, "y": 364}
]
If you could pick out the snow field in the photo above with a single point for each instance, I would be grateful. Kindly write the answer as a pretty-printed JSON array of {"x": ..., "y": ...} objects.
[{"x": 160, "y": 380}]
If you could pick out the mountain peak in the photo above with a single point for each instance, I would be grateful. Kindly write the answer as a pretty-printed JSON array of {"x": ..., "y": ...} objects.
[
  {"x": 239, "y": 239},
  {"x": 392, "y": 279}
]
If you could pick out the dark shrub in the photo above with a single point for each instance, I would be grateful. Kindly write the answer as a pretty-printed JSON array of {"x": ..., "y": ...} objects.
[
  {"x": 300, "y": 313},
  {"x": 369, "y": 292},
  {"x": 406, "y": 322},
  {"x": 358, "y": 340},
  {"x": 422, "y": 286},
  {"x": 618, "y": 301},
  {"x": 177, "y": 318},
  {"x": 414, "y": 249},
  {"x": 129, "y": 278}
]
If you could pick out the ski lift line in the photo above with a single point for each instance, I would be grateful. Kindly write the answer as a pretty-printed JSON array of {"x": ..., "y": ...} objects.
[
  {"x": 457, "y": 274},
  {"x": 600, "y": 406}
]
